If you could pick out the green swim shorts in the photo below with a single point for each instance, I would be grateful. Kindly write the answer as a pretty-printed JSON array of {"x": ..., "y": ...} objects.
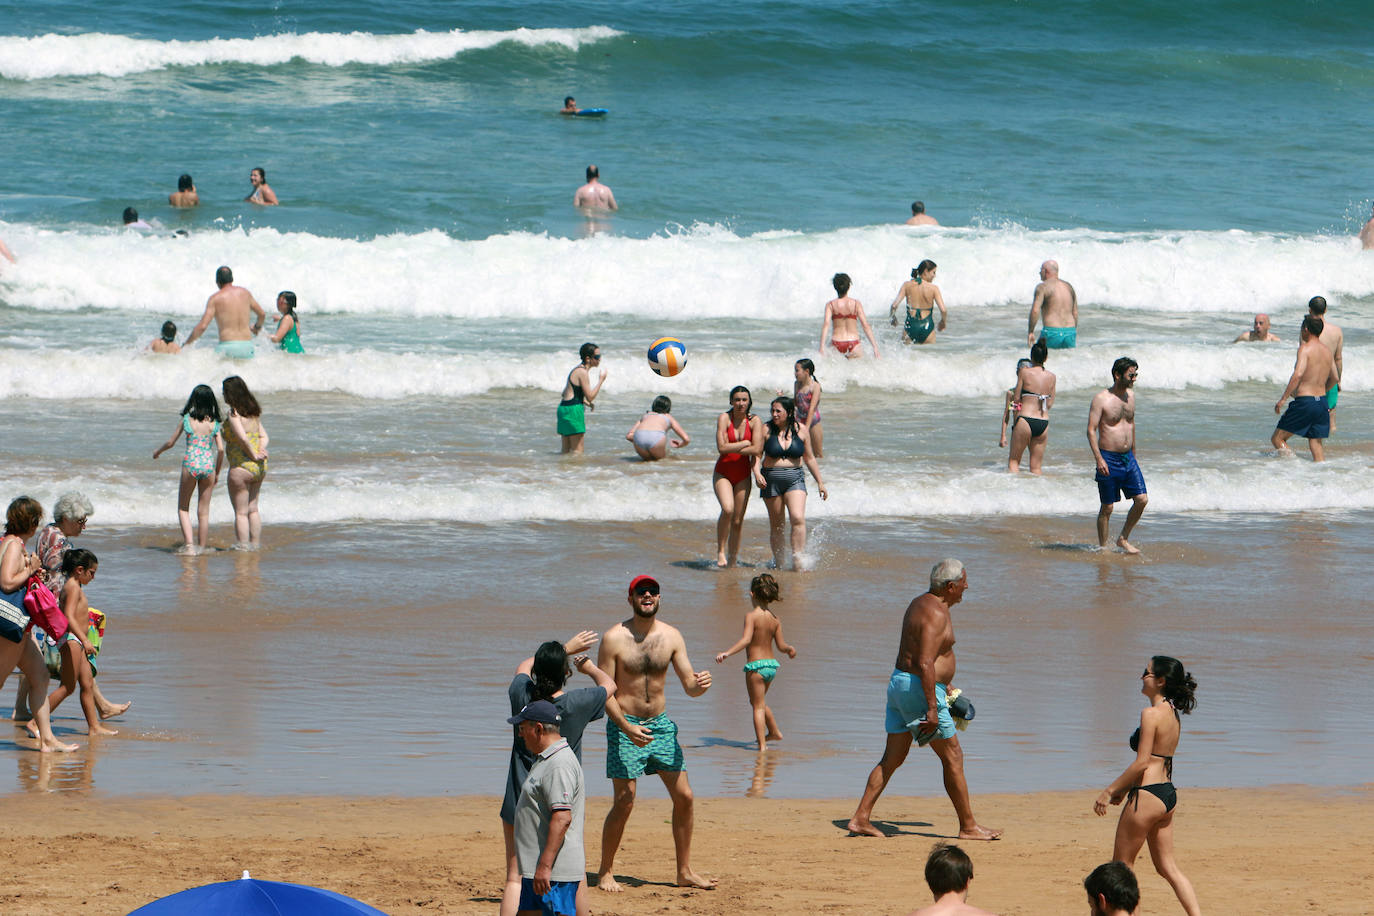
[
  {"x": 235, "y": 349},
  {"x": 572, "y": 419},
  {"x": 1332, "y": 394},
  {"x": 661, "y": 755}
]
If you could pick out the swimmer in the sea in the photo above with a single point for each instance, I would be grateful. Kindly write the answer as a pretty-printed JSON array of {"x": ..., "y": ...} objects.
[
  {"x": 570, "y": 106},
  {"x": 1260, "y": 333},
  {"x": 846, "y": 315},
  {"x": 922, "y": 297},
  {"x": 650, "y": 432},
  {"x": 167, "y": 343},
  {"x": 185, "y": 195},
  {"x": 262, "y": 191}
]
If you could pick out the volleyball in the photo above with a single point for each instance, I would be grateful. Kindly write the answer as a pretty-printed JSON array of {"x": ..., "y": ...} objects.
[{"x": 667, "y": 356}]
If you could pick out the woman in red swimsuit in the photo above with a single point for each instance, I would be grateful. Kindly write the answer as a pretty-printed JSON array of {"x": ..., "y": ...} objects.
[{"x": 739, "y": 439}]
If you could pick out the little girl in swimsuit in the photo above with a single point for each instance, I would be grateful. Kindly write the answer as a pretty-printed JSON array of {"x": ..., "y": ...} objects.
[
  {"x": 200, "y": 420},
  {"x": 806, "y": 394},
  {"x": 762, "y": 629},
  {"x": 247, "y": 452},
  {"x": 650, "y": 432},
  {"x": 79, "y": 566}
]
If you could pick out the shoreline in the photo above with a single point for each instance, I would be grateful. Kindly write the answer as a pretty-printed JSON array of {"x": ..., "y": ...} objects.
[{"x": 1284, "y": 849}]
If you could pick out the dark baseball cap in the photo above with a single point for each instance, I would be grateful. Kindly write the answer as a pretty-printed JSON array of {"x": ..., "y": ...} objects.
[
  {"x": 637, "y": 581},
  {"x": 538, "y": 711}
]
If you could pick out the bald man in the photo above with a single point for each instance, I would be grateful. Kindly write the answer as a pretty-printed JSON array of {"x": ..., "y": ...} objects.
[
  {"x": 1260, "y": 333},
  {"x": 1057, "y": 304}
]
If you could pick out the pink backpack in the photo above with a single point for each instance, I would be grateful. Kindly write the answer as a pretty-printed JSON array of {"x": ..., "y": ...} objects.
[{"x": 43, "y": 610}]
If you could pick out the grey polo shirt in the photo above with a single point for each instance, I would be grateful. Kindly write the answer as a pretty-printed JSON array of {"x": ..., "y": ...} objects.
[{"x": 554, "y": 784}]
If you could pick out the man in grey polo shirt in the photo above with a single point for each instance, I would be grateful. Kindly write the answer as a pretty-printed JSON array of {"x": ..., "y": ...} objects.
[{"x": 548, "y": 816}]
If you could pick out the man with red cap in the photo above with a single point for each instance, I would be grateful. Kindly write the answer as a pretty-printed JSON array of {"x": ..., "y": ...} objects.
[{"x": 640, "y": 738}]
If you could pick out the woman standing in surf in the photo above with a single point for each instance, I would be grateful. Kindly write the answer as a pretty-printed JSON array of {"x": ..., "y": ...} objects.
[
  {"x": 922, "y": 297},
  {"x": 845, "y": 315},
  {"x": 739, "y": 439}
]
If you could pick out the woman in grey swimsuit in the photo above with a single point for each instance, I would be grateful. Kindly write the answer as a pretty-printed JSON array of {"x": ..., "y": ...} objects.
[
  {"x": 1032, "y": 400},
  {"x": 786, "y": 448},
  {"x": 1146, "y": 786},
  {"x": 650, "y": 432}
]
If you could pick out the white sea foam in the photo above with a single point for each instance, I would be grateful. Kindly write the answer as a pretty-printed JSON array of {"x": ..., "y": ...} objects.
[
  {"x": 372, "y": 374},
  {"x": 680, "y": 491},
  {"x": 706, "y": 272},
  {"x": 100, "y": 54}
]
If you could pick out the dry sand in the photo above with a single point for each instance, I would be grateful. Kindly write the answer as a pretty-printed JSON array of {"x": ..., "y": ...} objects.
[{"x": 1282, "y": 850}]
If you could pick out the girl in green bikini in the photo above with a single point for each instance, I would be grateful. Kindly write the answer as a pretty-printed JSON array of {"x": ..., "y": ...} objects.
[
  {"x": 288, "y": 334},
  {"x": 762, "y": 629}
]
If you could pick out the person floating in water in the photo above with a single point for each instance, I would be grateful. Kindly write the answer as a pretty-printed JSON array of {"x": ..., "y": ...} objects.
[{"x": 570, "y": 106}]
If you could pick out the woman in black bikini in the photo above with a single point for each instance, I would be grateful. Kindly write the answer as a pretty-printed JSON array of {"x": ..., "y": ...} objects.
[
  {"x": 1032, "y": 401},
  {"x": 1146, "y": 786},
  {"x": 782, "y": 481}
]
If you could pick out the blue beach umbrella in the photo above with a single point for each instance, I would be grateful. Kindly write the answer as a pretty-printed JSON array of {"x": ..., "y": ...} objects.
[{"x": 250, "y": 897}]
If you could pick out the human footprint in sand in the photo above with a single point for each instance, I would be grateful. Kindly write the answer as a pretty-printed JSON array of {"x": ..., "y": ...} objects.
[
  {"x": 924, "y": 669},
  {"x": 640, "y": 738},
  {"x": 16, "y": 649},
  {"x": 762, "y": 629}
]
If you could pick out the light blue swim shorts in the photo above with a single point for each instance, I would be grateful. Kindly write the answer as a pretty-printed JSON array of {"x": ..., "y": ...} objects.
[
  {"x": 236, "y": 349},
  {"x": 906, "y": 706},
  {"x": 1060, "y": 338}
]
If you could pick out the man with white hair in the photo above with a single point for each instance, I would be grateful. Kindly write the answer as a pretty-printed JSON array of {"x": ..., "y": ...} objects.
[{"x": 916, "y": 704}]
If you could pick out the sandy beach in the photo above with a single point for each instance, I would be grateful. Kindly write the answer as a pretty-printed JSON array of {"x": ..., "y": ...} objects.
[{"x": 1281, "y": 850}]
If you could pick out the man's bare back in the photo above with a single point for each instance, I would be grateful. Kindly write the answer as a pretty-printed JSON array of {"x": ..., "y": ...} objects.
[
  {"x": 951, "y": 905},
  {"x": 1055, "y": 303},
  {"x": 230, "y": 308},
  {"x": 595, "y": 196}
]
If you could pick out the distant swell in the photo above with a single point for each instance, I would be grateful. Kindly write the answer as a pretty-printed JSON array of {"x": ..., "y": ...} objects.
[{"x": 99, "y": 54}]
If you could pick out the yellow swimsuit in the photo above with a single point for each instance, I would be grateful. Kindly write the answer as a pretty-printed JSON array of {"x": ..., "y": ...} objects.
[{"x": 241, "y": 458}]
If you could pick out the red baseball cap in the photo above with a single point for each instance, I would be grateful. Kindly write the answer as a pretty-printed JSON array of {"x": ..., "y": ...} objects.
[{"x": 637, "y": 581}]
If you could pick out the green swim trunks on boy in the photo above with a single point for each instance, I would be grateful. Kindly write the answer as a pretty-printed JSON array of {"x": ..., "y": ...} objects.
[
  {"x": 766, "y": 667},
  {"x": 661, "y": 755}
]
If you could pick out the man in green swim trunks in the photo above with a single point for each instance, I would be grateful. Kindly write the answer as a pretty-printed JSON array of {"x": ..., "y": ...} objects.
[
  {"x": 640, "y": 738},
  {"x": 1334, "y": 338},
  {"x": 1056, "y": 302},
  {"x": 230, "y": 307}
]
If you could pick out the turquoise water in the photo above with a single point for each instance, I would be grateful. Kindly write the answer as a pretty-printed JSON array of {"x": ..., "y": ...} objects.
[{"x": 766, "y": 116}]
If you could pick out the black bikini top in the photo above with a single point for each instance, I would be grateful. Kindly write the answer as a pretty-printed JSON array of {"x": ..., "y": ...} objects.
[{"x": 1168, "y": 761}]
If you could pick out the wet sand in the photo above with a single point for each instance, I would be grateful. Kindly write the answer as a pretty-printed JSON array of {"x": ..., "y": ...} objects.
[{"x": 1279, "y": 851}]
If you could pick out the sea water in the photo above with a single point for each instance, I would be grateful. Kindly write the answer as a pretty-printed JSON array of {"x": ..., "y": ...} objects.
[{"x": 1187, "y": 166}]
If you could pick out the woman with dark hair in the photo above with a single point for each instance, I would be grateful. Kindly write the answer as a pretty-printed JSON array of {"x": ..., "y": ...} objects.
[
  {"x": 846, "y": 315},
  {"x": 542, "y": 677},
  {"x": 578, "y": 395},
  {"x": 650, "y": 432},
  {"x": 806, "y": 394},
  {"x": 245, "y": 445},
  {"x": 1146, "y": 786},
  {"x": 1032, "y": 400},
  {"x": 288, "y": 333},
  {"x": 739, "y": 439},
  {"x": 922, "y": 298},
  {"x": 786, "y": 448},
  {"x": 16, "y": 648}
]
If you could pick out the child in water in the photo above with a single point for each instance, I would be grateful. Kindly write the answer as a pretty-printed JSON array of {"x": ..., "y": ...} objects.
[
  {"x": 79, "y": 566},
  {"x": 167, "y": 343},
  {"x": 288, "y": 333},
  {"x": 650, "y": 432},
  {"x": 201, "y": 422},
  {"x": 762, "y": 628}
]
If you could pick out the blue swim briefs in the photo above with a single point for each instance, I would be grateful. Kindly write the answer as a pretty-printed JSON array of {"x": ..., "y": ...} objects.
[
  {"x": 561, "y": 900},
  {"x": 661, "y": 755},
  {"x": 1123, "y": 476},
  {"x": 236, "y": 349},
  {"x": 766, "y": 667},
  {"x": 906, "y": 705},
  {"x": 1307, "y": 416},
  {"x": 1060, "y": 338}
]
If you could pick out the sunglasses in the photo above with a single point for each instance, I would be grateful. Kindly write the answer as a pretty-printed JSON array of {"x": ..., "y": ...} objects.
[{"x": 647, "y": 590}]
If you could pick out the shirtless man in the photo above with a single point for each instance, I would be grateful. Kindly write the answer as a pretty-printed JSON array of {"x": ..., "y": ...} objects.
[
  {"x": 919, "y": 216},
  {"x": 640, "y": 738},
  {"x": 594, "y": 195},
  {"x": 262, "y": 191},
  {"x": 1057, "y": 303},
  {"x": 185, "y": 195},
  {"x": 949, "y": 872},
  {"x": 1260, "y": 333},
  {"x": 845, "y": 314},
  {"x": 1313, "y": 374},
  {"x": 1367, "y": 233},
  {"x": 229, "y": 308},
  {"x": 1111, "y": 436},
  {"x": 1334, "y": 338},
  {"x": 924, "y": 668}
]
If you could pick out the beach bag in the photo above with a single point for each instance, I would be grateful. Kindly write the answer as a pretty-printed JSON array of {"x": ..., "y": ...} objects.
[
  {"x": 43, "y": 610},
  {"x": 13, "y": 621}
]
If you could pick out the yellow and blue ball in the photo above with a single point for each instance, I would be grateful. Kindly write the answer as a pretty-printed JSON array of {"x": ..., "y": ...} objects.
[{"x": 667, "y": 356}]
